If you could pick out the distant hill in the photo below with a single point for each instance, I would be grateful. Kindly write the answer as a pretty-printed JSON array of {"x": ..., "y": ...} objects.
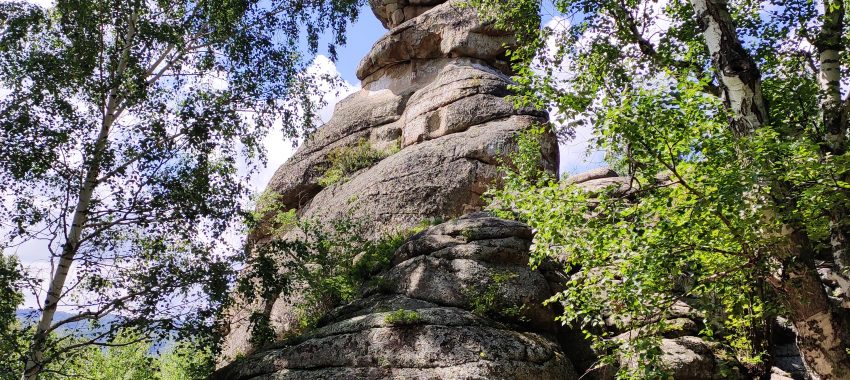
[
  {"x": 83, "y": 328},
  {"x": 31, "y": 316}
]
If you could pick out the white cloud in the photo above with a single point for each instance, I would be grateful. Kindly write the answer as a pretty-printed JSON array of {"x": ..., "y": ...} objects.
[{"x": 278, "y": 148}]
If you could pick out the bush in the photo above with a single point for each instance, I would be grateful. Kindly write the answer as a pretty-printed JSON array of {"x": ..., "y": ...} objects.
[
  {"x": 347, "y": 160},
  {"x": 328, "y": 265},
  {"x": 634, "y": 257},
  {"x": 403, "y": 317},
  {"x": 485, "y": 303},
  {"x": 129, "y": 357}
]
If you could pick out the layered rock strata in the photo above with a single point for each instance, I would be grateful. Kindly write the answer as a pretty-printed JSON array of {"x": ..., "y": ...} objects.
[
  {"x": 433, "y": 100},
  {"x": 473, "y": 310},
  {"x": 431, "y": 87}
]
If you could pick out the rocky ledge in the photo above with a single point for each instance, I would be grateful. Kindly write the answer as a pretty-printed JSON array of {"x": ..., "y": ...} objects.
[{"x": 458, "y": 302}]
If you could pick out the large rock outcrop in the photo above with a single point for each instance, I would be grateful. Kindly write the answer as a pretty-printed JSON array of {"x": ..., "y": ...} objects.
[
  {"x": 433, "y": 98},
  {"x": 459, "y": 302}
]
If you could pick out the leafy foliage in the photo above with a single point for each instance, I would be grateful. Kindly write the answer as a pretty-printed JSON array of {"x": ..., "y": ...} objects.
[
  {"x": 347, "y": 160},
  {"x": 632, "y": 258},
  {"x": 324, "y": 264},
  {"x": 129, "y": 130},
  {"x": 485, "y": 302},
  {"x": 269, "y": 217},
  {"x": 710, "y": 211},
  {"x": 126, "y": 356},
  {"x": 11, "y": 334},
  {"x": 403, "y": 317}
]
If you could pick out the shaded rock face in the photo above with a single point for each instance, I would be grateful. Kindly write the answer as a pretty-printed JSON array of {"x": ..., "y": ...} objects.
[
  {"x": 433, "y": 94},
  {"x": 437, "y": 279}
]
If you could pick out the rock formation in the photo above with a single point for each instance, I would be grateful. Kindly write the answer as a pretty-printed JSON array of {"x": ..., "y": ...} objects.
[
  {"x": 471, "y": 309},
  {"x": 458, "y": 300},
  {"x": 433, "y": 88}
]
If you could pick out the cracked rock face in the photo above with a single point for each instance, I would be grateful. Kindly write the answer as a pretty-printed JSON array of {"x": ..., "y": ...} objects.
[
  {"x": 433, "y": 94},
  {"x": 459, "y": 326}
]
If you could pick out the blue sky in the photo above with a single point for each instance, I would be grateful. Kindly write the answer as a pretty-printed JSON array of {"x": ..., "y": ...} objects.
[{"x": 361, "y": 35}]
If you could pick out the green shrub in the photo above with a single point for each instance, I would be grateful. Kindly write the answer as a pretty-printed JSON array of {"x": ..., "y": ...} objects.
[
  {"x": 129, "y": 356},
  {"x": 270, "y": 216},
  {"x": 347, "y": 160},
  {"x": 485, "y": 303},
  {"x": 329, "y": 264},
  {"x": 403, "y": 317}
]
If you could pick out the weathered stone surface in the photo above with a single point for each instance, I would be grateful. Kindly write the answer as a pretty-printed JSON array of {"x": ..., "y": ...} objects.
[
  {"x": 461, "y": 96},
  {"x": 434, "y": 87},
  {"x": 354, "y": 119},
  {"x": 445, "y": 343},
  {"x": 619, "y": 185},
  {"x": 391, "y": 13},
  {"x": 464, "y": 283},
  {"x": 603, "y": 172},
  {"x": 464, "y": 93},
  {"x": 787, "y": 360},
  {"x": 441, "y": 178},
  {"x": 689, "y": 357},
  {"x": 477, "y": 261},
  {"x": 445, "y": 340},
  {"x": 447, "y": 30}
]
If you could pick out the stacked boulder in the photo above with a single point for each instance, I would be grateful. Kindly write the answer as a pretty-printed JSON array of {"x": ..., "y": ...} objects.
[
  {"x": 433, "y": 102},
  {"x": 433, "y": 87},
  {"x": 459, "y": 302}
]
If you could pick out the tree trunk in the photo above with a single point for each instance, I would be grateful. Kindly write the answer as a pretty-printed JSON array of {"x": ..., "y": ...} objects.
[
  {"x": 829, "y": 46},
  {"x": 35, "y": 356},
  {"x": 834, "y": 140},
  {"x": 740, "y": 79},
  {"x": 820, "y": 334},
  {"x": 69, "y": 250}
]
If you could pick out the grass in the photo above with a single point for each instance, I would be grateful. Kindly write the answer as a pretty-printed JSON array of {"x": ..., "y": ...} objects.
[
  {"x": 346, "y": 160},
  {"x": 403, "y": 317}
]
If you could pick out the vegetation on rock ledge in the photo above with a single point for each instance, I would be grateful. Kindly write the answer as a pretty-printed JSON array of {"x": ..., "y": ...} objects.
[
  {"x": 403, "y": 317},
  {"x": 730, "y": 121},
  {"x": 346, "y": 160},
  {"x": 325, "y": 264}
]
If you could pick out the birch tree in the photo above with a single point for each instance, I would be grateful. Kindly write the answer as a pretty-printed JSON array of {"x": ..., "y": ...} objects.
[
  {"x": 127, "y": 131},
  {"x": 731, "y": 119}
]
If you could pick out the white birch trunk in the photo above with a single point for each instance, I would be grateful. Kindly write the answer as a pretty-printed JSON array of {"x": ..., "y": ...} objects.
[
  {"x": 35, "y": 356},
  {"x": 829, "y": 47},
  {"x": 820, "y": 335},
  {"x": 739, "y": 76},
  {"x": 833, "y": 115}
]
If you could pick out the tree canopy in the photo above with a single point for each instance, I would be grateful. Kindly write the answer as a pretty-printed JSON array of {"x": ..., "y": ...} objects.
[
  {"x": 730, "y": 120},
  {"x": 128, "y": 131}
]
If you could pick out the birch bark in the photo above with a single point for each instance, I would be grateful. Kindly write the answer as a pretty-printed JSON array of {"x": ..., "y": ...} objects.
[
  {"x": 70, "y": 248},
  {"x": 820, "y": 333}
]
